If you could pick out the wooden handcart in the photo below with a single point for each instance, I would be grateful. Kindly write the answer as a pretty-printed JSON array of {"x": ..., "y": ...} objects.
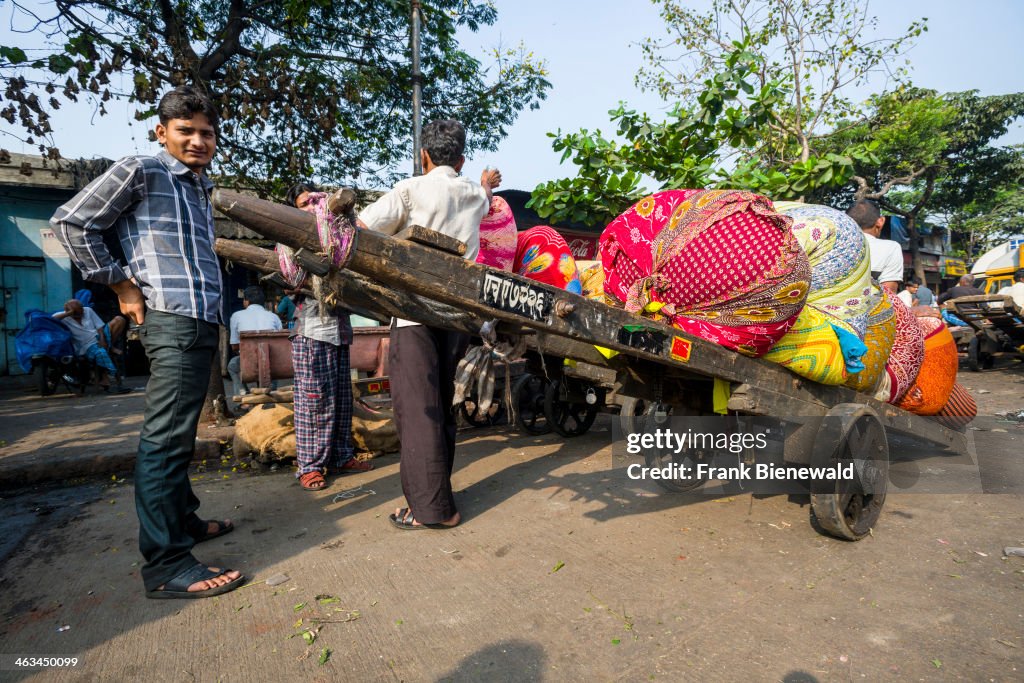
[
  {"x": 421, "y": 275},
  {"x": 998, "y": 326}
]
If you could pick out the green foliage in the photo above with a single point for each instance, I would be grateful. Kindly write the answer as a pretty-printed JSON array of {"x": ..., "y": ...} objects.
[
  {"x": 816, "y": 50},
  {"x": 304, "y": 87},
  {"x": 696, "y": 146}
]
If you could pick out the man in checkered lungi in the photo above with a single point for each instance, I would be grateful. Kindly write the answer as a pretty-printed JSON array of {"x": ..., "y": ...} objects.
[{"x": 323, "y": 385}]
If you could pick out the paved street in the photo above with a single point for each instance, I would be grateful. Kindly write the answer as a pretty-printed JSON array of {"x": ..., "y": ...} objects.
[{"x": 563, "y": 570}]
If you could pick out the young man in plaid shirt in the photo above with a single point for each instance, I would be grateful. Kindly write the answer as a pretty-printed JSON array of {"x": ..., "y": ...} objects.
[{"x": 159, "y": 209}]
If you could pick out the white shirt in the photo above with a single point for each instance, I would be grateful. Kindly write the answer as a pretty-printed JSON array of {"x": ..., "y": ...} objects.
[
  {"x": 440, "y": 200},
  {"x": 1016, "y": 290},
  {"x": 83, "y": 334},
  {"x": 886, "y": 259},
  {"x": 253, "y": 318}
]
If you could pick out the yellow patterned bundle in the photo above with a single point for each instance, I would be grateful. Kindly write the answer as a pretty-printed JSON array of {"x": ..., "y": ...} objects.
[
  {"x": 879, "y": 338},
  {"x": 840, "y": 262},
  {"x": 592, "y": 279},
  {"x": 811, "y": 349}
]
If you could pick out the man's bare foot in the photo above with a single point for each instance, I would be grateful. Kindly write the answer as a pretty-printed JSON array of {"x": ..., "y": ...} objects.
[
  {"x": 221, "y": 579},
  {"x": 213, "y": 526}
]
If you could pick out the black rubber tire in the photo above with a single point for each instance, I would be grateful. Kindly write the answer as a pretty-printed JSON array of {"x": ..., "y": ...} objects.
[
  {"x": 528, "y": 398},
  {"x": 45, "y": 380},
  {"x": 495, "y": 416},
  {"x": 657, "y": 416},
  {"x": 973, "y": 361},
  {"x": 570, "y": 419},
  {"x": 631, "y": 414},
  {"x": 849, "y": 509}
]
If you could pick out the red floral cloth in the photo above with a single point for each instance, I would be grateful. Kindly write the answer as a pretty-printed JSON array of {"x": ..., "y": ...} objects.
[
  {"x": 498, "y": 236},
  {"x": 724, "y": 263},
  {"x": 543, "y": 255},
  {"x": 906, "y": 356}
]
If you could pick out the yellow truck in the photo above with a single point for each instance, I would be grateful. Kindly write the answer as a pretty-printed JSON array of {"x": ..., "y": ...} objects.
[{"x": 995, "y": 268}]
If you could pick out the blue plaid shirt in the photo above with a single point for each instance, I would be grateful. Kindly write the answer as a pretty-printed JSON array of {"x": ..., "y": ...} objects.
[{"x": 161, "y": 213}]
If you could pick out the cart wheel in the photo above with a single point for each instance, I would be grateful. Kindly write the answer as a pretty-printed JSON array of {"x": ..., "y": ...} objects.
[
  {"x": 494, "y": 415},
  {"x": 657, "y": 416},
  {"x": 973, "y": 349},
  {"x": 851, "y": 434},
  {"x": 568, "y": 418},
  {"x": 631, "y": 414},
  {"x": 528, "y": 397}
]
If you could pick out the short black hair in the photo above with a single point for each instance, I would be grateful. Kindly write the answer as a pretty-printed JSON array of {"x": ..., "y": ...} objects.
[
  {"x": 298, "y": 188},
  {"x": 1019, "y": 275},
  {"x": 864, "y": 213},
  {"x": 254, "y": 295},
  {"x": 915, "y": 280},
  {"x": 184, "y": 102},
  {"x": 445, "y": 141}
]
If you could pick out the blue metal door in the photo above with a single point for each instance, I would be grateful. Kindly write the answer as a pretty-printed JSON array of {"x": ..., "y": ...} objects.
[{"x": 21, "y": 285}]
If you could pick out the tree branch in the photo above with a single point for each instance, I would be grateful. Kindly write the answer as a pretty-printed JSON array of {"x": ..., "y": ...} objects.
[{"x": 229, "y": 46}]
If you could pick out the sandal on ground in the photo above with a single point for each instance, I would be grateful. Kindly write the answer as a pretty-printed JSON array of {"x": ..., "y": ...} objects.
[
  {"x": 405, "y": 521},
  {"x": 224, "y": 527},
  {"x": 313, "y": 481},
  {"x": 177, "y": 588},
  {"x": 352, "y": 466}
]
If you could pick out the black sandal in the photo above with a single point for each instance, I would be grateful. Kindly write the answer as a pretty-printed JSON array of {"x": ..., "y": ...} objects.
[
  {"x": 177, "y": 588},
  {"x": 404, "y": 521},
  {"x": 222, "y": 528}
]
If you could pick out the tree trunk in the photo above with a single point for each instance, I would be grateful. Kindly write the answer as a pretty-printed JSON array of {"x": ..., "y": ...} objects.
[
  {"x": 215, "y": 407},
  {"x": 915, "y": 250}
]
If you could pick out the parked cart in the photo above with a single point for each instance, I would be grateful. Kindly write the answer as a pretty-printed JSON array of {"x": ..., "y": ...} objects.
[
  {"x": 421, "y": 275},
  {"x": 998, "y": 326}
]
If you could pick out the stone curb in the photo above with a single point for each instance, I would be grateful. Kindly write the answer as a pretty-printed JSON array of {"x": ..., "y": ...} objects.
[{"x": 40, "y": 468}]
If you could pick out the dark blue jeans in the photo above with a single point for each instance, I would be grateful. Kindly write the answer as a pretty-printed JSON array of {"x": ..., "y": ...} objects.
[{"x": 180, "y": 352}]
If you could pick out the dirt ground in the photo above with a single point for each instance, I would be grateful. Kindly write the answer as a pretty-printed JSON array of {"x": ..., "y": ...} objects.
[{"x": 564, "y": 570}]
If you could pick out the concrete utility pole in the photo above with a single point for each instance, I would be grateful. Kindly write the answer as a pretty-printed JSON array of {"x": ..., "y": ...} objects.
[{"x": 417, "y": 80}]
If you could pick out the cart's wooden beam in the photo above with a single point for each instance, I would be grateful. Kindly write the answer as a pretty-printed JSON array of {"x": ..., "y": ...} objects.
[
  {"x": 369, "y": 298},
  {"x": 490, "y": 293}
]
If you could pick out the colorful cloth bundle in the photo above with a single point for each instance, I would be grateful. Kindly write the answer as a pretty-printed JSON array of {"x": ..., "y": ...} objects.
[
  {"x": 879, "y": 337},
  {"x": 905, "y": 357},
  {"x": 498, "y": 236},
  {"x": 543, "y": 255},
  {"x": 959, "y": 410},
  {"x": 720, "y": 264},
  {"x": 811, "y": 349},
  {"x": 840, "y": 262},
  {"x": 937, "y": 375},
  {"x": 592, "y": 279}
]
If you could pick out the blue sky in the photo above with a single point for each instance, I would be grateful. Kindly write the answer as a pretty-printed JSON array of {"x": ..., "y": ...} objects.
[{"x": 592, "y": 53}]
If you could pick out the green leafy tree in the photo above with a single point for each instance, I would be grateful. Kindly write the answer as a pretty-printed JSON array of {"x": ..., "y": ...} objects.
[
  {"x": 722, "y": 140},
  {"x": 760, "y": 84},
  {"x": 935, "y": 155},
  {"x": 304, "y": 87},
  {"x": 814, "y": 51}
]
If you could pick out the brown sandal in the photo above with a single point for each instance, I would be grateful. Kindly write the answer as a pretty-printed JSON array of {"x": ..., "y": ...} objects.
[{"x": 313, "y": 481}]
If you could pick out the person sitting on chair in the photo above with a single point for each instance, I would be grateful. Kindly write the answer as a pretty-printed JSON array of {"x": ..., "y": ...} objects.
[
  {"x": 90, "y": 340},
  {"x": 252, "y": 318}
]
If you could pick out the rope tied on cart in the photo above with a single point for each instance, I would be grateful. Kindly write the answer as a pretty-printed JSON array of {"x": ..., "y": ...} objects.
[
  {"x": 337, "y": 236},
  {"x": 476, "y": 369}
]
